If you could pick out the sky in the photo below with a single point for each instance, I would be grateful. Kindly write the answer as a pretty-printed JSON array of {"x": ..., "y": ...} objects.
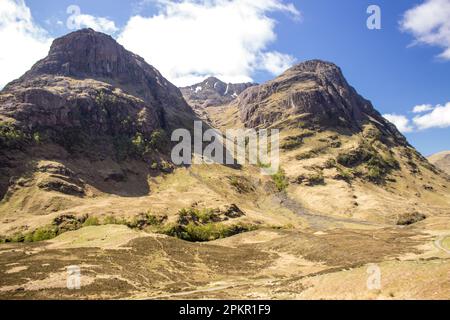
[{"x": 402, "y": 65}]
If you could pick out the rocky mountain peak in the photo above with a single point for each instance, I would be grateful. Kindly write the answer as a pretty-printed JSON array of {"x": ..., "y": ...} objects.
[
  {"x": 319, "y": 68},
  {"x": 213, "y": 92},
  {"x": 89, "y": 55},
  {"x": 317, "y": 93},
  {"x": 86, "y": 53}
]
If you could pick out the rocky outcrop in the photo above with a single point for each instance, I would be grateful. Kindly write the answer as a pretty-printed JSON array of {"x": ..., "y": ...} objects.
[
  {"x": 213, "y": 92},
  {"x": 314, "y": 92},
  {"x": 94, "y": 100},
  {"x": 89, "y": 81}
]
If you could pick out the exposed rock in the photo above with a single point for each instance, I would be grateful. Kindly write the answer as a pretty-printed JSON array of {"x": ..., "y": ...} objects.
[
  {"x": 59, "y": 185},
  {"x": 213, "y": 92},
  {"x": 233, "y": 211},
  {"x": 54, "y": 168},
  {"x": 313, "y": 93},
  {"x": 410, "y": 218},
  {"x": 90, "y": 84},
  {"x": 68, "y": 222},
  {"x": 310, "y": 179},
  {"x": 94, "y": 99},
  {"x": 241, "y": 184}
]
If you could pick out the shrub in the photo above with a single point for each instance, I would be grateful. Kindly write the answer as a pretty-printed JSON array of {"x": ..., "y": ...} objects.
[
  {"x": 145, "y": 220},
  {"x": 377, "y": 164},
  {"x": 154, "y": 166},
  {"x": 311, "y": 179},
  {"x": 139, "y": 144},
  {"x": 344, "y": 174},
  {"x": 410, "y": 218},
  {"x": 280, "y": 180},
  {"x": 335, "y": 144},
  {"x": 157, "y": 139},
  {"x": 375, "y": 174},
  {"x": 241, "y": 184},
  {"x": 114, "y": 220},
  {"x": 91, "y": 221},
  {"x": 205, "y": 232},
  {"x": 305, "y": 155},
  {"x": 330, "y": 163},
  {"x": 44, "y": 233},
  {"x": 316, "y": 178},
  {"x": 37, "y": 137},
  {"x": 292, "y": 143},
  {"x": 10, "y": 136},
  {"x": 353, "y": 157},
  {"x": 185, "y": 216},
  {"x": 17, "y": 237}
]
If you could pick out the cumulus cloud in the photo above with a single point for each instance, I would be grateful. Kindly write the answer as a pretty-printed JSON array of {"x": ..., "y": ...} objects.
[
  {"x": 401, "y": 122},
  {"x": 439, "y": 117},
  {"x": 78, "y": 20},
  {"x": 276, "y": 62},
  {"x": 422, "y": 108},
  {"x": 189, "y": 40},
  {"x": 429, "y": 22},
  {"x": 428, "y": 117},
  {"x": 23, "y": 41}
]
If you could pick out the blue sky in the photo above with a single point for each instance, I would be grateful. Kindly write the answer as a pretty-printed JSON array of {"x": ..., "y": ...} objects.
[{"x": 383, "y": 65}]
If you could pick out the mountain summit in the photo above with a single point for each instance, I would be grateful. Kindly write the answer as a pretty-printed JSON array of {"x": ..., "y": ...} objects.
[
  {"x": 89, "y": 99},
  {"x": 87, "y": 54},
  {"x": 314, "y": 92}
]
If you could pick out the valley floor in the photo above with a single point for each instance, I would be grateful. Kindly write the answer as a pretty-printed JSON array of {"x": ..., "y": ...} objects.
[{"x": 117, "y": 262}]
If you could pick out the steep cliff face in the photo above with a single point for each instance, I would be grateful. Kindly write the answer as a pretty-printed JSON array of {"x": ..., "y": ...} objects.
[
  {"x": 85, "y": 64},
  {"x": 213, "y": 92},
  {"x": 315, "y": 92},
  {"x": 88, "y": 99}
]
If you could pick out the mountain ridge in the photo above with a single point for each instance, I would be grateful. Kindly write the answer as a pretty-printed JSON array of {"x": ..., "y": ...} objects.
[
  {"x": 441, "y": 160},
  {"x": 316, "y": 90}
]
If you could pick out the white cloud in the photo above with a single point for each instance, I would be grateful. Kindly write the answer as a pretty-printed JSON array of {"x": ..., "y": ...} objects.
[
  {"x": 23, "y": 42},
  {"x": 401, "y": 122},
  {"x": 189, "y": 40},
  {"x": 438, "y": 118},
  {"x": 422, "y": 108},
  {"x": 429, "y": 22},
  {"x": 100, "y": 24},
  {"x": 430, "y": 117},
  {"x": 276, "y": 62}
]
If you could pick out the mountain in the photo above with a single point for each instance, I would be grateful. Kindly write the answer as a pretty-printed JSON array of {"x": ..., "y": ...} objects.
[
  {"x": 213, "y": 92},
  {"x": 338, "y": 154},
  {"x": 314, "y": 92},
  {"x": 93, "y": 106},
  {"x": 86, "y": 179},
  {"x": 89, "y": 55},
  {"x": 441, "y": 160}
]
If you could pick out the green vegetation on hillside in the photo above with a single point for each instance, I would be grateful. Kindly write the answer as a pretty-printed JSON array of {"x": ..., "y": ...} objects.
[
  {"x": 10, "y": 136},
  {"x": 280, "y": 180},
  {"x": 205, "y": 232},
  {"x": 377, "y": 164}
]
